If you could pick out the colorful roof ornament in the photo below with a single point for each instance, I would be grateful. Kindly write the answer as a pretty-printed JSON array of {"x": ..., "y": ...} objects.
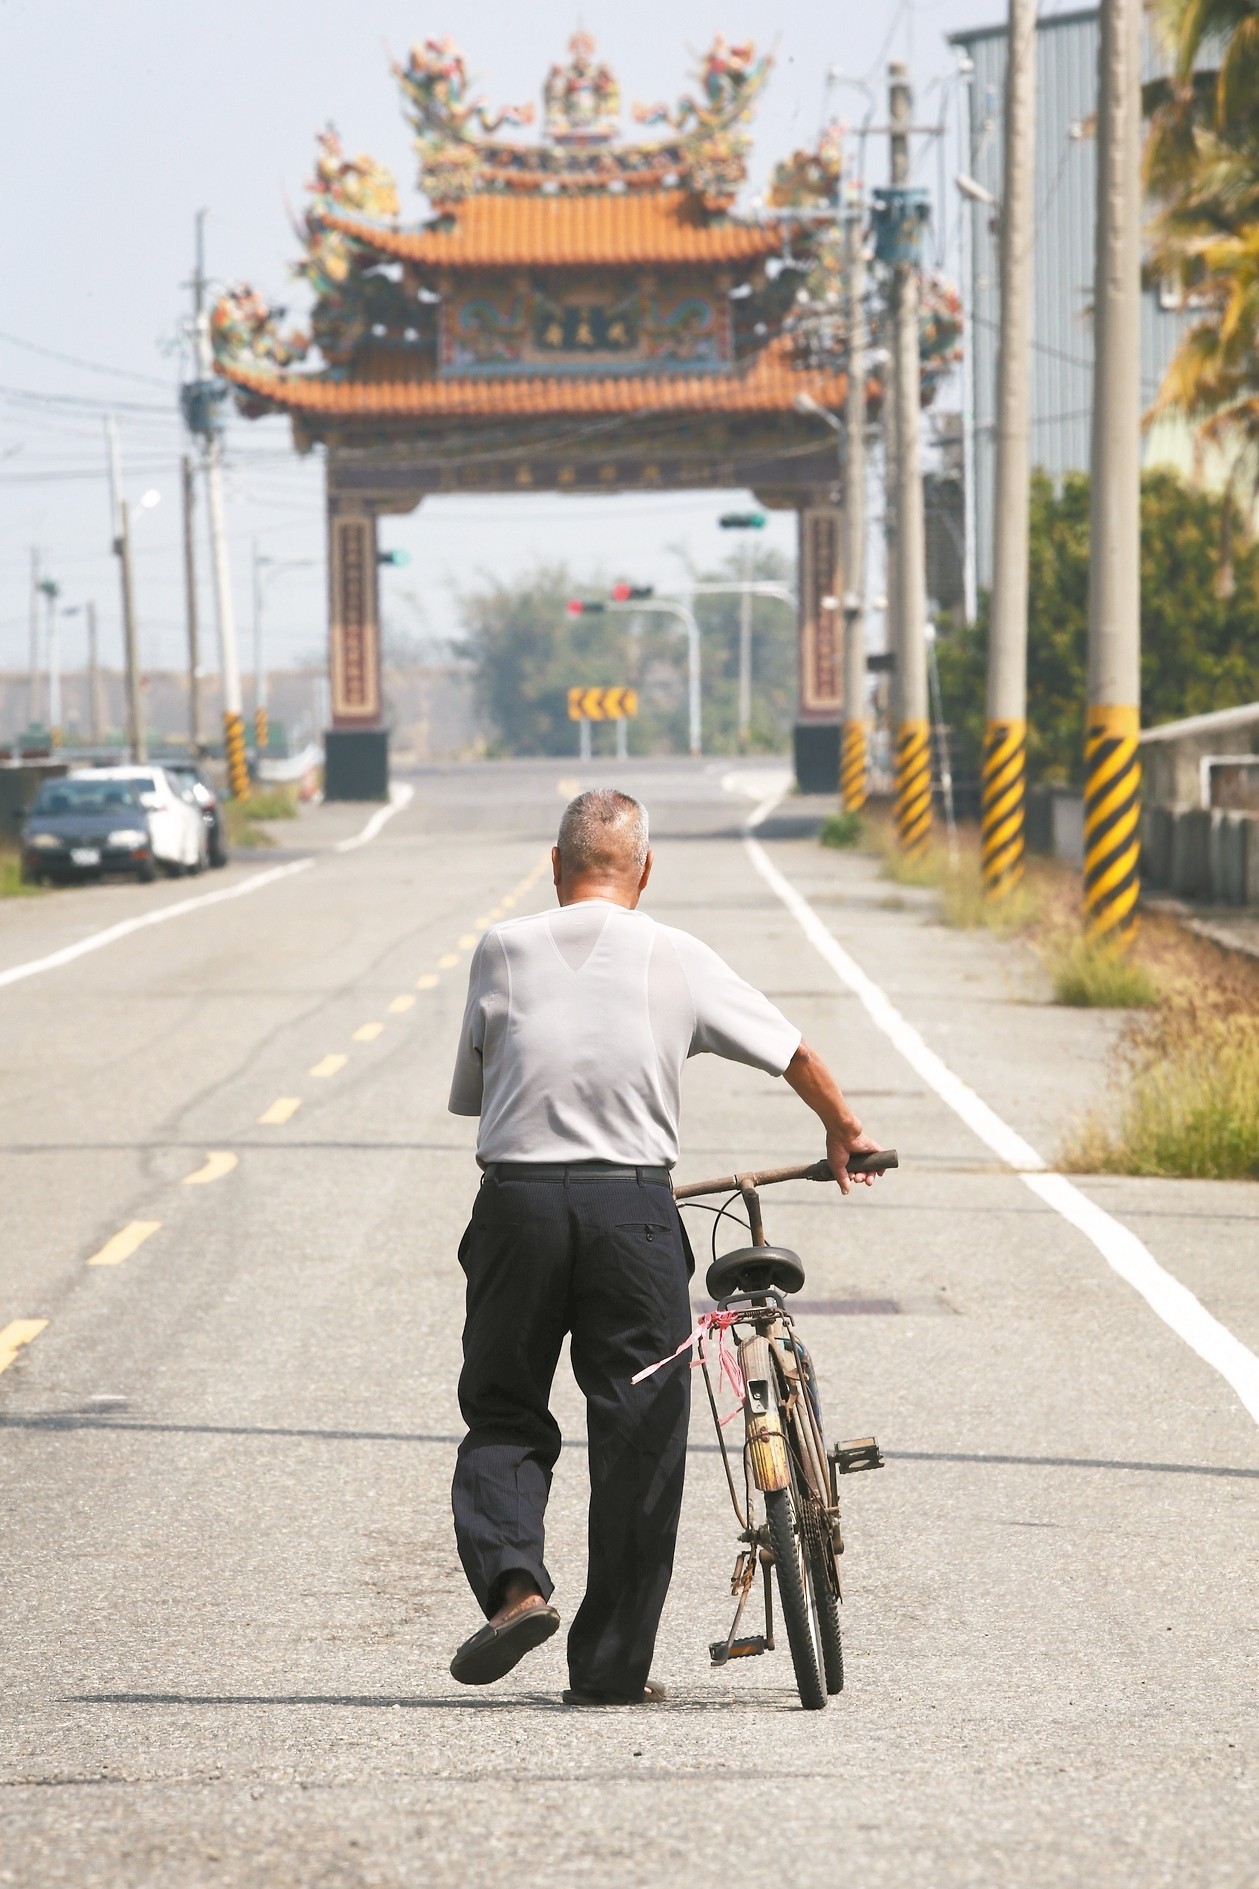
[
  {"x": 810, "y": 179},
  {"x": 460, "y": 156},
  {"x": 582, "y": 99}
]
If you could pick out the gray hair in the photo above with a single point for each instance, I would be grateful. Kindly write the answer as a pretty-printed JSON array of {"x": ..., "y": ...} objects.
[{"x": 603, "y": 830}]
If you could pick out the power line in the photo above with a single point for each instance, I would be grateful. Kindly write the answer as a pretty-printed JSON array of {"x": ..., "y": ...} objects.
[{"x": 72, "y": 360}]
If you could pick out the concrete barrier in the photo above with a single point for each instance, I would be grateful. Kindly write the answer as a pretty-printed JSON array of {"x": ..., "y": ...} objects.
[{"x": 1209, "y": 855}]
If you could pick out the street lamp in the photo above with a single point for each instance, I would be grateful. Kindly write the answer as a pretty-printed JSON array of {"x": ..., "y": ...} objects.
[
  {"x": 265, "y": 568},
  {"x": 744, "y": 521},
  {"x": 639, "y": 599}
]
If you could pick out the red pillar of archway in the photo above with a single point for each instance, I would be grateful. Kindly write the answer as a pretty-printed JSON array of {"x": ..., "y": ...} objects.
[
  {"x": 821, "y": 632},
  {"x": 356, "y": 745}
]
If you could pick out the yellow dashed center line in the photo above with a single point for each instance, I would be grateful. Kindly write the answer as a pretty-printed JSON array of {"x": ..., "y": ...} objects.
[
  {"x": 217, "y": 1163},
  {"x": 329, "y": 1065},
  {"x": 18, "y": 1332},
  {"x": 467, "y": 941},
  {"x": 368, "y": 1032},
  {"x": 448, "y": 962},
  {"x": 401, "y": 1003},
  {"x": 429, "y": 981},
  {"x": 281, "y": 1111},
  {"x": 124, "y": 1243}
]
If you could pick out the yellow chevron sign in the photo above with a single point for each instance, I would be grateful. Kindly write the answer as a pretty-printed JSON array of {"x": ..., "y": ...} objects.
[{"x": 602, "y": 704}]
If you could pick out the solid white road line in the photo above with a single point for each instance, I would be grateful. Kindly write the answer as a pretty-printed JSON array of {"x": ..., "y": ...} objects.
[
  {"x": 400, "y": 796},
  {"x": 1121, "y": 1249}
]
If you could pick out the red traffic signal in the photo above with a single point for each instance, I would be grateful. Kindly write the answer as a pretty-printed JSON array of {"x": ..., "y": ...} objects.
[
  {"x": 631, "y": 593},
  {"x": 576, "y": 608}
]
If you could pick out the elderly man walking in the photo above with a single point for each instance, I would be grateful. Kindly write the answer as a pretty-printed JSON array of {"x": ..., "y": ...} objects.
[{"x": 578, "y": 1023}]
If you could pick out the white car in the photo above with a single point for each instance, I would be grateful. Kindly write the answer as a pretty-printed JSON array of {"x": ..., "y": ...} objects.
[{"x": 177, "y": 830}]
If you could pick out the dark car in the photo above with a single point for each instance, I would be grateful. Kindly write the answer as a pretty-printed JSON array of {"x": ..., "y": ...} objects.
[
  {"x": 86, "y": 829},
  {"x": 190, "y": 775}
]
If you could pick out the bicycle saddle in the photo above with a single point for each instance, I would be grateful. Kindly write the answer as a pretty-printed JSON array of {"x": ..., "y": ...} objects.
[{"x": 755, "y": 1269}]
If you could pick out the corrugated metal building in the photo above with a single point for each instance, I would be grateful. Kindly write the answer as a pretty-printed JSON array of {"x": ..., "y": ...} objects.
[{"x": 1062, "y": 331}]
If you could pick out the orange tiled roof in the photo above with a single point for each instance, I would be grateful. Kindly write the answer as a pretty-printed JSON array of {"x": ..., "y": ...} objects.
[
  {"x": 768, "y": 384},
  {"x": 496, "y": 231}
]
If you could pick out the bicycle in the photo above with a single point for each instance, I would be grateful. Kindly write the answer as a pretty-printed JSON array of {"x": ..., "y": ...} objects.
[{"x": 785, "y": 1459}]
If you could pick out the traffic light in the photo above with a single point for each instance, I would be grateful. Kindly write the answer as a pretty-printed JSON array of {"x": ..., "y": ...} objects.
[
  {"x": 742, "y": 521},
  {"x": 576, "y": 608},
  {"x": 631, "y": 593},
  {"x": 393, "y": 557}
]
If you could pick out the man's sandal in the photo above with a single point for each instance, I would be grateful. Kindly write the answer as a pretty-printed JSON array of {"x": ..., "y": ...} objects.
[
  {"x": 493, "y": 1651},
  {"x": 653, "y": 1694}
]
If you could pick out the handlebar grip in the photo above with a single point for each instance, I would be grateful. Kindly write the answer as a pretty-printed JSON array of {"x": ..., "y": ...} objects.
[{"x": 877, "y": 1163}]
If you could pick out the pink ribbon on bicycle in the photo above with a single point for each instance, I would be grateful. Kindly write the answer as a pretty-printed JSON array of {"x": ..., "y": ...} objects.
[{"x": 705, "y": 1325}]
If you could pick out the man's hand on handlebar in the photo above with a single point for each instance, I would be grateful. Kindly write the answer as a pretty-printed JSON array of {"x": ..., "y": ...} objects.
[
  {"x": 815, "y": 1085},
  {"x": 838, "y": 1148}
]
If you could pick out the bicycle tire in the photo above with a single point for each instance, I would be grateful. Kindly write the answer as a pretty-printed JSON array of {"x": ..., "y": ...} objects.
[
  {"x": 825, "y": 1601},
  {"x": 792, "y": 1572}
]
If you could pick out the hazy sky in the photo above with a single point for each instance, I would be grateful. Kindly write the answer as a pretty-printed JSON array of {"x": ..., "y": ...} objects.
[{"x": 120, "y": 118}]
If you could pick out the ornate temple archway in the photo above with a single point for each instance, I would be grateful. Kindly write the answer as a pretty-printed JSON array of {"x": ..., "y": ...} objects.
[{"x": 578, "y": 314}]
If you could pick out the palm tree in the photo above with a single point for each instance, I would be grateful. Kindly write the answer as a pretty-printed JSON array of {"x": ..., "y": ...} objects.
[{"x": 1202, "y": 172}]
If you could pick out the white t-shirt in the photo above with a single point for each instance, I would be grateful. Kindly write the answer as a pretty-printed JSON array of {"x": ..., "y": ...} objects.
[{"x": 578, "y": 1023}]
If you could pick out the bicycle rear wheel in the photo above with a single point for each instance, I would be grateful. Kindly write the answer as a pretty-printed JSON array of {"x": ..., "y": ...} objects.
[
  {"x": 791, "y": 1566},
  {"x": 823, "y": 1586}
]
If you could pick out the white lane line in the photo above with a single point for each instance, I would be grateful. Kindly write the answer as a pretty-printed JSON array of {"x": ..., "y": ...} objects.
[
  {"x": 124, "y": 929},
  {"x": 1120, "y": 1248},
  {"x": 401, "y": 794}
]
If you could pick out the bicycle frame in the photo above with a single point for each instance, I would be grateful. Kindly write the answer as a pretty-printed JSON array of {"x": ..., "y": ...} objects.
[{"x": 784, "y": 1447}]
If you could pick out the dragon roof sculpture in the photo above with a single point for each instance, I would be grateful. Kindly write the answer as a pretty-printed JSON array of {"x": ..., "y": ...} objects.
[{"x": 460, "y": 155}]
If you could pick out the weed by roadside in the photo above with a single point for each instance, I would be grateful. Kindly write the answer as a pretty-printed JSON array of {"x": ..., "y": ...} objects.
[
  {"x": 12, "y": 885},
  {"x": 243, "y": 816},
  {"x": 965, "y": 905},
  {"x": 1189, "y": 1103},
  {"x": 1086, "y": 975},
  {"x": 842, "y": 829},
  {"x": 272, "y": 803}
]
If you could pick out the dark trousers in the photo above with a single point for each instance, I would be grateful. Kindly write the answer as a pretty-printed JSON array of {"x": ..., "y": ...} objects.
[{"x": 608, "y": 1261}]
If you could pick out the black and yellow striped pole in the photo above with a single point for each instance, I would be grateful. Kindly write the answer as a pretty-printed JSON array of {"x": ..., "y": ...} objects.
[
  {"x": 912, "y": 804},
  {"x": 1112, "y": 773},
  {"x": 262, "y": 728},
  {"x": 1005, "y": 734},
  {"x": 852, "y": 766},
  {"x": 852, "y": 761},
  {"x": 1112, "y": 848},
  {"x": 234, "y": 754},
  {"x": 1001, "y": 829}
]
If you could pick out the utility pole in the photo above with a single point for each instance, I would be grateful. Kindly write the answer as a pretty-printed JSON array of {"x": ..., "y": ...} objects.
[
  {"x": 1005, "y": 736},
  {"x": 96, "y": 719},
  {"x": 51, "y": 592},
  {"x": 913, "y": 735},
  {"x": 260, "y": 673},
  {"x": 1112, "y": 772},
  {"x": 196, "y": 736},
  {"x": 201, "y": 399},
  {"x": 136, "y": 734},
  {"x": 745, "y": 649},
  {"x": 32, "y": 688},
  {"x": 852, "y": 769}
]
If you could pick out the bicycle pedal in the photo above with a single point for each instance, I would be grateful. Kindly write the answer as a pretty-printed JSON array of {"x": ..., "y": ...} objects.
[
  {"x": 746, "y": 1648},
  {"x": 849, "y": 1458}
]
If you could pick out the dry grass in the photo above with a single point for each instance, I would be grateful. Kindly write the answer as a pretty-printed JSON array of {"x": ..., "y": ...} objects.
[
  {"x": 1088, "y": 976},
  {"x": 1189, "y": 1100},
  {"x": 264, "y": 803},
  {"x": 12, "y": 884},
  {"x": 842, "y": 829},
  {"x": 272, "y": 803}
]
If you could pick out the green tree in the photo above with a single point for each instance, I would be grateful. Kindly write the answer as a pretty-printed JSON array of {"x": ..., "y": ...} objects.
[
  {"x": 527, "y": 652},
  {"x": 1199, "y": 621}
]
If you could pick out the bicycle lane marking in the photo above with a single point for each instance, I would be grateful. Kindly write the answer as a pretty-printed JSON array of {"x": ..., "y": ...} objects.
[
  {"x": 97, "y": 940},
  {"x": 1121, "y": 1249}
]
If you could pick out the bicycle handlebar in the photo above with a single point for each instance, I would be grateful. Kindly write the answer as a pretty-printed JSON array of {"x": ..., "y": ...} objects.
[{"x": 877, "y": 1163}]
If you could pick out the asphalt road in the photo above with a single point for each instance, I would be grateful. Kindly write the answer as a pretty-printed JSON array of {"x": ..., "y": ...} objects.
[{"x": 230, "y": 1592}]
